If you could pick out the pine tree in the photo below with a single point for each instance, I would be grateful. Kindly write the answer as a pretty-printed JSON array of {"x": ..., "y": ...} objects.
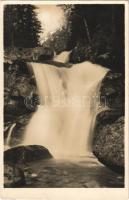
[{"x": 21, "y": 26}]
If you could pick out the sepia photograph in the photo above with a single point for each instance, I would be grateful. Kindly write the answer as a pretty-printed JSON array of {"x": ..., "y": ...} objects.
[{"x": 64, "y": 95}]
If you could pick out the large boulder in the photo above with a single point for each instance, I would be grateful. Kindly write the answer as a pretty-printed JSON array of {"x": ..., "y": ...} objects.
[
  {"x": 24, "y": 154},
  {"x": 108, "y": 142}
]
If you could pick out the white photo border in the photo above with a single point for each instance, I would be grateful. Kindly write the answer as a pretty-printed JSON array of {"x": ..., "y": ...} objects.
[{"x": 67, "y": 193}]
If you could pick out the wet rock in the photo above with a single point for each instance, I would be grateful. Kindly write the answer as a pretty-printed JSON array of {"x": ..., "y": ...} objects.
[
  {"x": 108, "y": 142},
  {"x": 107, "y": 117},
  {"x": 23, "y": 87},
  {"x": 44, "y": 57},
  {"x": 13, "y": 176},
  {"x": 20, "y": 98},
  {"x": 20, "y": 93},
  {"x": 15, "y": 107},
  {"x": 112, "y": 91},
  {"x": 24, "y": 154},
  {"x": 20, "y": 67}
]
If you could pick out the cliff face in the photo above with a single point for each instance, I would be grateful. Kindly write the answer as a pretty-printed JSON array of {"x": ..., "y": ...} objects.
[{"x": 108, "y": 143}]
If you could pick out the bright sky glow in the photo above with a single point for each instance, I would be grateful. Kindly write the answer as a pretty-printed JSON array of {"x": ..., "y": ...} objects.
[{"x": 52, "y": 18}]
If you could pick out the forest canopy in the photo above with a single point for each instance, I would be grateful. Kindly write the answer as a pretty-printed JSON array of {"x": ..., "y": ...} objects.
[
  {"x": 93, "y": 32},
  {"x": 21, "y": 26}
]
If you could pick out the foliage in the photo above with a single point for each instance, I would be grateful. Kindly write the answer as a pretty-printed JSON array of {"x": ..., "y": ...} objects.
[
  {"x": 92, "y": 32},
  {"x": 21, "y": 26},
  {"x": 101, "y": 38}
]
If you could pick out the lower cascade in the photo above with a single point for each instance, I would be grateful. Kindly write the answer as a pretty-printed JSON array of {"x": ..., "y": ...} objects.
[
  {"x": 69, "y": 102},
  {"x": 8, "y": 139}
]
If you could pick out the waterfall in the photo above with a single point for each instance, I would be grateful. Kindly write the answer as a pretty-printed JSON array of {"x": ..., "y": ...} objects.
[
  {"x": 8, "y": 139},
  {"x": 64, "y": 120},
  {"x": 62, "y": 57}
]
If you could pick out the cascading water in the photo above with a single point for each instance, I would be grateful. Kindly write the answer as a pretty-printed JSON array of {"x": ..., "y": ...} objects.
[
  {"x": 8, "y": 139},
  {"x": 64, "y": 120}
]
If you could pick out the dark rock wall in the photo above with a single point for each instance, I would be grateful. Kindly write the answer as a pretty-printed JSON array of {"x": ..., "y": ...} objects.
[{"x": 20, "y": 98}]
